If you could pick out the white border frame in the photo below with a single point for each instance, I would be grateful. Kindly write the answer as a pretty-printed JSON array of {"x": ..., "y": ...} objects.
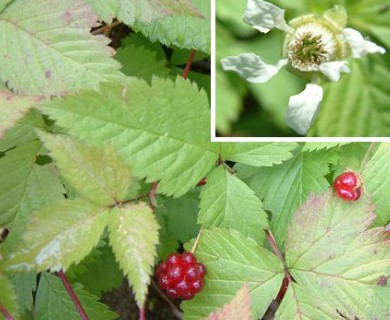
[{"x": 262, "y": 139}]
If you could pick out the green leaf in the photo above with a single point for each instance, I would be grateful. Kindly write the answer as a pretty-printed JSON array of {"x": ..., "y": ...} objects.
[
  {"x": 15, "y": 169},
  {"x": 238, "y": 308},
  {"x": 360, "y": 99},
  {"x": 285, "y": 187},
  {"x": 188, "y": 32},
  {"x": 52, "y": 50},
  {"x": 13, "y": 107},
  {"x": 180, "y": 215},
  {"x": 23, "y": 132},
  {"x": 130, "y": 11},
  {"x": 376, "y": 179},
  {"x": 227, "y": 202},
  {"x": 134, "y": 237},
  {"x": 98, "y": 272},
  {"x": 298, "y": 304},
  {"x": 232, "y": 261},
  {"x": 41, "y": 188},
  {"x": 97, "y": 174},
  {"x": 162, "y": 131},
  {"x": 24, "y": 285},
  {"x": 142, "y": 59},
  {"x": 315, "y": 146},
  {"x": 331, "y": 252},
  {"x": 58, "y": 236},
  {"x": 262, "y": 154},
  {"x": 54, "y": 302},
  {"x": 8, "y": 297}
]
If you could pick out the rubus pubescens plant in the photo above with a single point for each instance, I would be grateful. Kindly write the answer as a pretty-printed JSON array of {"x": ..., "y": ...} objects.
[{"x": 100, "y": 185}]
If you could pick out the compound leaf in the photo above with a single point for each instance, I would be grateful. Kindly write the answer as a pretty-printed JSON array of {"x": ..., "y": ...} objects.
[
  {"x": 46, "y": 48},
  {"x": 376, "y": 179},
  {"x": 162, "y": 131},
  {"x": 98, "y": 174},
  {"x": 58, "y": 236},
  {"x": 227, "y": 202},
  {"x": 134, "y": 237},
  {"x": 54, "y": 302},
  {"x": 331, "y": 253},
  {"x": 233, "y": 260}
]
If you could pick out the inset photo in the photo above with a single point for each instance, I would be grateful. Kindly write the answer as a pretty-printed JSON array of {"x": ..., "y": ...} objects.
[{"x": 301, "y": 69}]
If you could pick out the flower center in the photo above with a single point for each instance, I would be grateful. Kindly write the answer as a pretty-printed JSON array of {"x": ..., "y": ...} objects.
[{"x": 311, "y": 45}]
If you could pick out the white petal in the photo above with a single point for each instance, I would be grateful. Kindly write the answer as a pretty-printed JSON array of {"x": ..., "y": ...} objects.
[
  {"x": 264, "y": 16},
  {"x": 333, "y": 69},
  {"x": 302, "y": 108},
  {"x": 251, "y": 67},
  {"x": 359, "y": 46}
]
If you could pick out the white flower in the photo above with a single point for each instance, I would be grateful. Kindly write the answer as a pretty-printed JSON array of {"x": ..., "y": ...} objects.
[{"x": 314, "y": 46}]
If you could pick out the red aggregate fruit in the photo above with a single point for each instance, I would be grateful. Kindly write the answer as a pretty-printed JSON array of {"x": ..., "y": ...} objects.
[
  {"x": 181, "y": 276},
  {"x": 347, "y": 186}
]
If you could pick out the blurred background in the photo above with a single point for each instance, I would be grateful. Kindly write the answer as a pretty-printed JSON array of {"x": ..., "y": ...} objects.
[{"x": 358, "y": 105}]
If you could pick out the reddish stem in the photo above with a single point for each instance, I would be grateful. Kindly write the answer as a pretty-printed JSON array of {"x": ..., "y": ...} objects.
[
  {"x": 5, "y": 313},
  {"x": 73, "y": 295},
  {"x": 189, "y": 63},
  {"x": 142, "y": 312}
]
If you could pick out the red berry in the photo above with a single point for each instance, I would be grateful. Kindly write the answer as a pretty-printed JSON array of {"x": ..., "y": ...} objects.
[
  {"x": 202, "y": 270},
  {"x": 180, "y": 276},
  {"x": 346, "y": 179},
  {"x": 172, "y": 293},
  {"x": 347, "y": 186},
  {"x": 173, "y": 259},
  {"x": 175, "y": 273},
  {"x": 164, "y": 282},
  {"x": 182, "y": 287},
  {"x": 162, "y": 267},
  {"x": 187, "y": 258},
  {"x": 192, "y": 273},
  {"x": 196, "y": 286}
]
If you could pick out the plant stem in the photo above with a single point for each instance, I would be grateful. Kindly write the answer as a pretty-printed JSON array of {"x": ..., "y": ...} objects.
[
  {"x": 272, "y": 242},
  {"x": 197, "y": 240},
  {"x": 5, "y": 313},
  {"x": 72, "y": 295},
  {"x": 142, "y": 311},
  {"x": 366, "y": 157},
  {"x": 189, "y": 63}
]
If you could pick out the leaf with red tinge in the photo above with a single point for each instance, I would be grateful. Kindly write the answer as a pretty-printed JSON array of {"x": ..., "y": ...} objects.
[
  {"x": 336, "y": 259},
  {"x": 13, "y": 107},
  {"x": 238, "y": 308}
]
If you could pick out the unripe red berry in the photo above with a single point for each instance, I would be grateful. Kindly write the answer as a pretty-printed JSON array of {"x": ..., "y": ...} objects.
[{"x": 187, "y": 258}]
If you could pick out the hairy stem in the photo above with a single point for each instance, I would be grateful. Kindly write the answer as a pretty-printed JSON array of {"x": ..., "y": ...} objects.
[
  {"x": 5, "y": 313},
  {"x": 189, "y": 63},
  {"x": 73, "y": 295}
]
